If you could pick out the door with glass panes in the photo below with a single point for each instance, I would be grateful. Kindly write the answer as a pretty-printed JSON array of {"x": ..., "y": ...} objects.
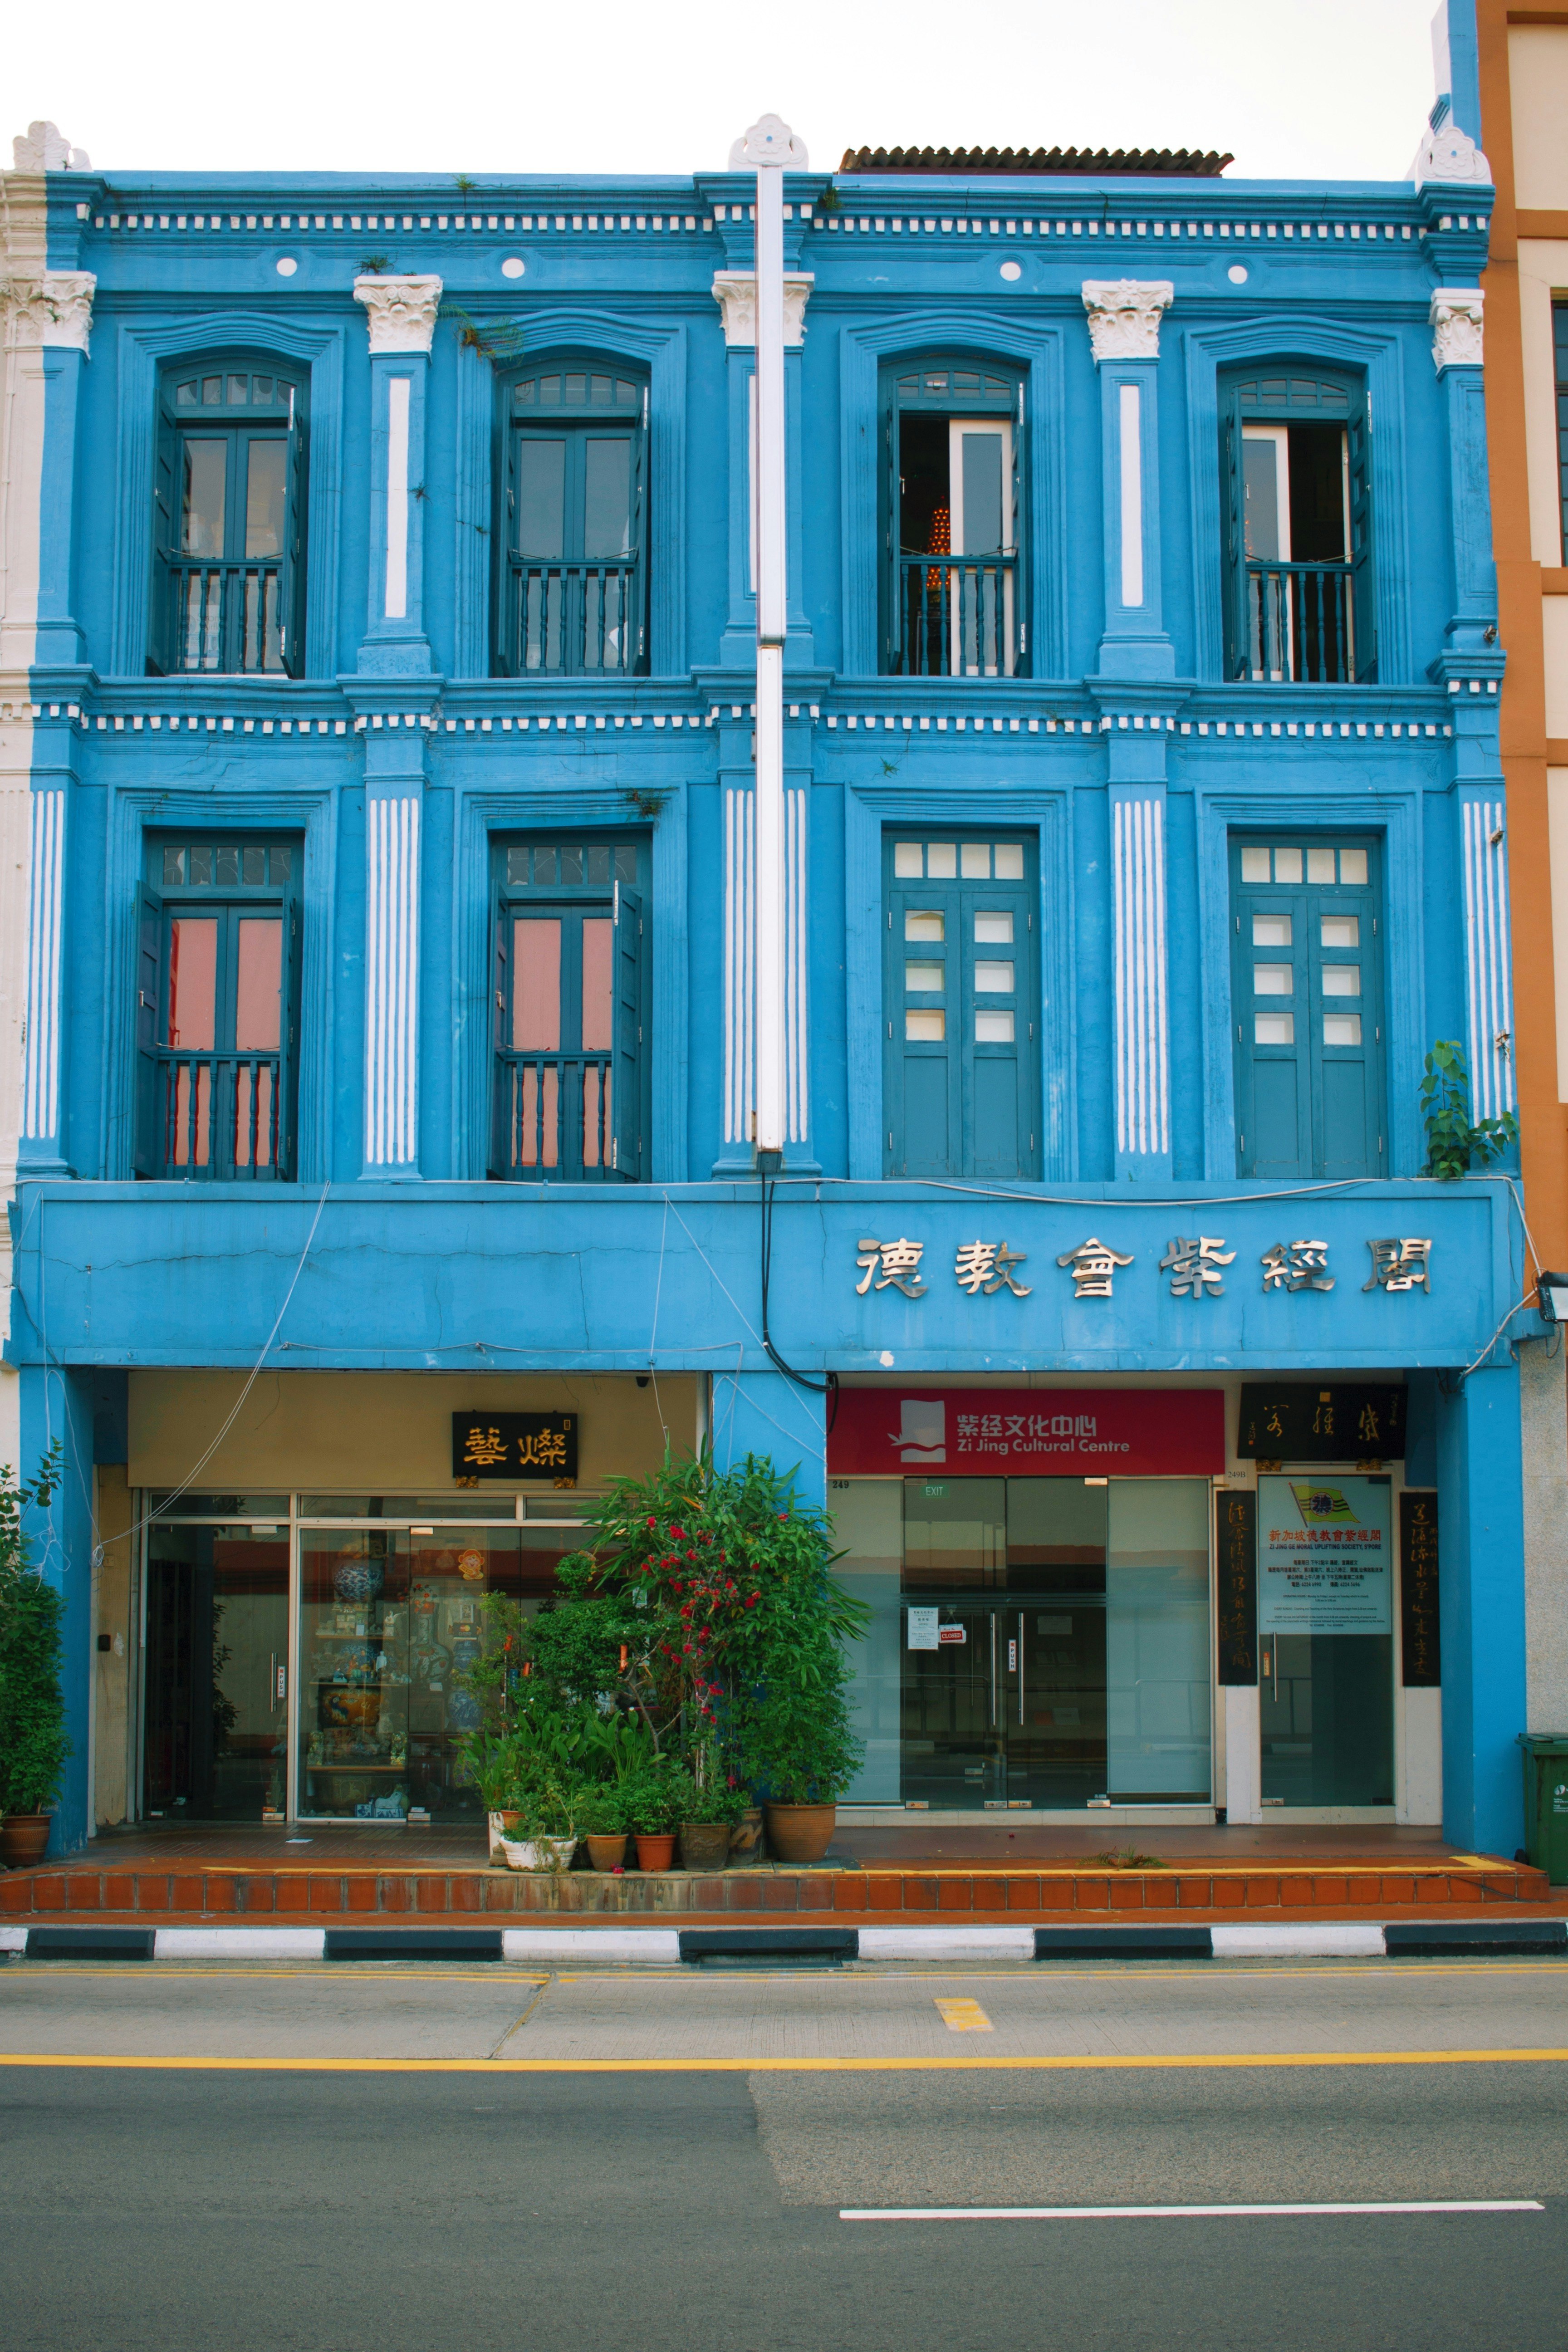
[
  {"x": 961, "y": 996},
  {"x": 1307, "y": 966}
]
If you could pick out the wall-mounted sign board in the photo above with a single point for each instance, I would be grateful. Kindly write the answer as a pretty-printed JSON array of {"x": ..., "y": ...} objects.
[
  {"x": 1302, "y": 1421},
  {"x": 513, "y": 1447}
]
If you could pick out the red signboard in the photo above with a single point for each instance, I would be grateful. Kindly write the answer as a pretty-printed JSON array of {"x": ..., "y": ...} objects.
[{"x": 1028, "y": 1432}]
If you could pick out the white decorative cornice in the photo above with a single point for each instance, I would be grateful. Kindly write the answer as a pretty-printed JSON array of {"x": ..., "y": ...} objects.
[
  {"x": 1450, "y": 154},
  {"x": 55, "y": 306},
  {"x": 44, "y": 149},
  {"x": 769, "y": 140},
  {"x": 402, "y": 313},
  {"x": 1456, "y": 327},
  {"x": 735, "y": 291},
  {"x": 1124, "y": 315}
]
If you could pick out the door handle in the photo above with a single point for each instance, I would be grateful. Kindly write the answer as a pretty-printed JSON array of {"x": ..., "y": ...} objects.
[
  {"x": 993, "y": 1615},
  {"x": 1020, "y": 1668}
]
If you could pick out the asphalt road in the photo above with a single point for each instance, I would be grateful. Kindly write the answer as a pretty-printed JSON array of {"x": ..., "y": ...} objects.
[{"x": 426, "y": 2191}]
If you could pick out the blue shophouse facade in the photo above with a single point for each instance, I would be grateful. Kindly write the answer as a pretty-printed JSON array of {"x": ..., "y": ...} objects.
[{"x": 391, "y": 1022}]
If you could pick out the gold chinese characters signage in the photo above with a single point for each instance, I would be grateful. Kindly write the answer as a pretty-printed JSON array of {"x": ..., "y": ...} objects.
[
  {"x": 1298, "y": 1421},
  {"x": 514, "y": 1447}
]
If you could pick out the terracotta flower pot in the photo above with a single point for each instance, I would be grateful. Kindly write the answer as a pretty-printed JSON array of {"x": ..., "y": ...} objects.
[
  {"x": 746, "y": 1836},
  {"x": 606, "y": 1852},
  {"x": 23, "y": 1837},
  {"x": 655, "y": 1853},
  {"x": 704, "y": 1845},
  {"x": 801, "y": 1832}
]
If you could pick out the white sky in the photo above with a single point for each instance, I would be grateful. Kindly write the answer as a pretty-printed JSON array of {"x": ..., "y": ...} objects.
[{"x": 1295, "y": 89}]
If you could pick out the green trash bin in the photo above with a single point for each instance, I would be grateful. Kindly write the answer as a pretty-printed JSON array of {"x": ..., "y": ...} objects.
[{"x": 1546, "y": 1802}]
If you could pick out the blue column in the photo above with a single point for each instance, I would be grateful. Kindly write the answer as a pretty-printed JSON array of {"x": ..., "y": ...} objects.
[
  {"x": 1481, "y": 1513},
  {"x": 1456, "y": 317},
  {"x": 394, "y": 760},
  {"x": 764, "y": 1414},
  {"x": 403, "y": 313},
  {"x": 61, "y": 641},
  {"x": 58, "y": 1404},
  {"x": 735, "y": 290},
  {"x": 1124, "y": 330}
]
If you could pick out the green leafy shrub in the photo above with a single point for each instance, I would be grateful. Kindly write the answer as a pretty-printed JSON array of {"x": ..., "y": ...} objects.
[
  {"x": 1454, "y": 1143},
  {"x": 33, "y": 1742}
]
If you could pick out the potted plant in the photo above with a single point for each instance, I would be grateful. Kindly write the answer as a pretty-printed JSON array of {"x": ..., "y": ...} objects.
[
  {"x": 601, "y": 1818},
  {"x": 709, "y": 1811},
  {"x": 802, "y": 1753},
  {"x": 546, "y": 1825},
  {"x": 653, "y": 1803},
  {"x": 33, "y": 1742}
]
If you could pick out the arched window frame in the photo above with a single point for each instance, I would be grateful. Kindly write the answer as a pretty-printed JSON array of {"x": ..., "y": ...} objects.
[
  {"x": 231, "y": 608},
  {"x": 573, "y": 614},
  {"x": 949, "y": 618},
  {"x": 1307, "y": 622}
]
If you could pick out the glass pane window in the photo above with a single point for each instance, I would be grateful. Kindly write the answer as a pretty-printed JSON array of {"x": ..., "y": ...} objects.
[
  {"x": 205, "y": 497},
  {"x": 572, "y": 533}
]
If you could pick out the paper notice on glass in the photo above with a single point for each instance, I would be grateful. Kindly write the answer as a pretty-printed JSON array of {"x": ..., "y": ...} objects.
[
  {"x": 1325, "y": 1555},
  {"x": 923, "y": 1628}
]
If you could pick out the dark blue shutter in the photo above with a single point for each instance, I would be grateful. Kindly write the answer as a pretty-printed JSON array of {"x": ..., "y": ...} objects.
[
  {"x": 1348, "y": 1079},
  {"x": 1363, "y": 585},
  {"x": 626, "y": 1106},
  {"x": 162, "y": 647},
  {"x": 291, "y": 572},
  {"x": 894, "y": 659},
  {"x": 1273, "y": 1093},
  {"x": 998, "y": 1139},
  {"x": 288, "y": 1019},
  {"x": 498, "y": 1024},
  {"x": 924, "y": 1097},
  {"x": 637, "y": 616},
  {"x": 147, "y": 1156},
  {"x": 1234, "y": 493},
  {"x": 1022, "y": 619}
]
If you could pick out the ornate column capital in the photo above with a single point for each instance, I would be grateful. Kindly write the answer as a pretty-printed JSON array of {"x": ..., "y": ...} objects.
[
  {"x": 1124, "y": 315},
  {"x": 1457, "y": 336},
  {"x": 769, "y": 140},
  {"x": 1450, "y": 154},
  {"x": 44, "y": 148},
  {"x": 53, "y": 307},
  {"x": 401, "y": 311},
  {"x": 735, "y": 291}
]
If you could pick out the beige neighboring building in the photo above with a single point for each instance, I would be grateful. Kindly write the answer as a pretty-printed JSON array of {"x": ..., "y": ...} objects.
[{"x": 1523, "y": 82}]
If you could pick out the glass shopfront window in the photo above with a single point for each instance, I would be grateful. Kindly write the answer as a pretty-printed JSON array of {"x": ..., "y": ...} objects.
[
  {"x": 330, "y": 1631},
  {"x": 1033, "y": 1642}
]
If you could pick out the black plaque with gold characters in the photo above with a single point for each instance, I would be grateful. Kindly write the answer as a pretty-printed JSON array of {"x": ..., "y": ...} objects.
[
  {"x": 514, "y": 1447},
  {"x": 1420, "y": 1648},
  {"x": 1235, "y": 1618},
  {"x": 1301, "y": 1421}
]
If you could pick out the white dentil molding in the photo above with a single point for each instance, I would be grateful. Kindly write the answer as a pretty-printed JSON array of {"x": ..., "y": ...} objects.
[
  {"x": 735, "y": 291},
  {"x": 769, "y": 140},
  {"x": 1124, "y": 315},
  {"x": 44, "y": 148},
  {"x": 1457, "y": 336},
  {"x": 1450, "y": 154},
  {"x": 54, "y": 307},
  {"x": 401, "y": 311}
]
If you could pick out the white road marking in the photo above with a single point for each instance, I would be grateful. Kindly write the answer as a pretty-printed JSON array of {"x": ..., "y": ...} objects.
[{"x": 1174, "y": 2212}]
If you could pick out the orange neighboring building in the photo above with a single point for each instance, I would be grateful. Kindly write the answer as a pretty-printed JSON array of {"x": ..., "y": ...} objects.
[{"x": 1516, "y": 74}]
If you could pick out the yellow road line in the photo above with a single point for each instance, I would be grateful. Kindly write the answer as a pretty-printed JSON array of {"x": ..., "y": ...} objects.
[
  {"x": 963, "y": 2017},
  {"x": 1118, "y": 2064}
]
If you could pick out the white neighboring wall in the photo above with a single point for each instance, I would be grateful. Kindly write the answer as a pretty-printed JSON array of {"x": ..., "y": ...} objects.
[{"x": 23, "y": 260}]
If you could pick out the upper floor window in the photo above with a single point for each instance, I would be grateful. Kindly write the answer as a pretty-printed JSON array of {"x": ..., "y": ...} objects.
[
  {"x": 217, "y": 995},
  {"x": 571, "y": 987},
  {"x": 952, "y": 600},
  {"x": 960, "y": 991},
  {"x": 574, "y": 587},
  {"x": 1299, "y": 573},
  {"x": 1307, "y": 1000},
  {"x": 228, "y": 590}
]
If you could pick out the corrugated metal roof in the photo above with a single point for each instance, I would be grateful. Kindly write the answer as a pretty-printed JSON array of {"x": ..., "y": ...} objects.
[{"x": 1145, "y": 162}]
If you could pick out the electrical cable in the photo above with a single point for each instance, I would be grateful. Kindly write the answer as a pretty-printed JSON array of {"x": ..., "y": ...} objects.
[{"x": 826, "y": 1388}]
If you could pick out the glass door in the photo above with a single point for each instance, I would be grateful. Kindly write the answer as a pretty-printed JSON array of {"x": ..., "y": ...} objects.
[
  {"x": 215, "y": 1705},
  {"x": 1052, "y": 1658},
  {"x": 954, "y": 1743}
]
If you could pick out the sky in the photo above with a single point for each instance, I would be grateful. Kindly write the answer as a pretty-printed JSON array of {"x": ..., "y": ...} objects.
[{"x": 1294, "y": 88}]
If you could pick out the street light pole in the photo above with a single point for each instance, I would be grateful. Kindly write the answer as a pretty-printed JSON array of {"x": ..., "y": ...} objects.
[{"x": 770, "y": 145}]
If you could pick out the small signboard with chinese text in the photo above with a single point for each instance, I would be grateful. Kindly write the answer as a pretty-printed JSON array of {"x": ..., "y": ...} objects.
[
  {"x": 1421, "y": 1655},
  {"x": 1301, "y": 1421},
  {"x": 1235, "y": 1620},
  {"x": 1325, "y": 1555},
  {"x": 512, "y": 1447}
]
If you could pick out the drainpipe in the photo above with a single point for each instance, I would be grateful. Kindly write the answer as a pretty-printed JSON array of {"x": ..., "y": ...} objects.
[{"x": 768, "y": 146}]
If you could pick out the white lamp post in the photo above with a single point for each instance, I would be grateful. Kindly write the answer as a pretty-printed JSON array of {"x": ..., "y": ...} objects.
[{"x": 770, "y": 146}]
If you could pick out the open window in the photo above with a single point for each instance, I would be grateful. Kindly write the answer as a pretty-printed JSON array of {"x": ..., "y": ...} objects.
[
  {"x": 573, "y": 589},
  {"x": 229, "y": 592},
  {"x": 1299, "y": 598},
  {"x": 953, "y": 590},
  {"x": 570, "y": 962},
  {"x": 217, "y": 1011}
]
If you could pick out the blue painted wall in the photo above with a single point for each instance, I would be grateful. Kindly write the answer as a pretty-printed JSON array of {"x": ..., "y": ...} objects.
[{"x": 114, "y": 1274}]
